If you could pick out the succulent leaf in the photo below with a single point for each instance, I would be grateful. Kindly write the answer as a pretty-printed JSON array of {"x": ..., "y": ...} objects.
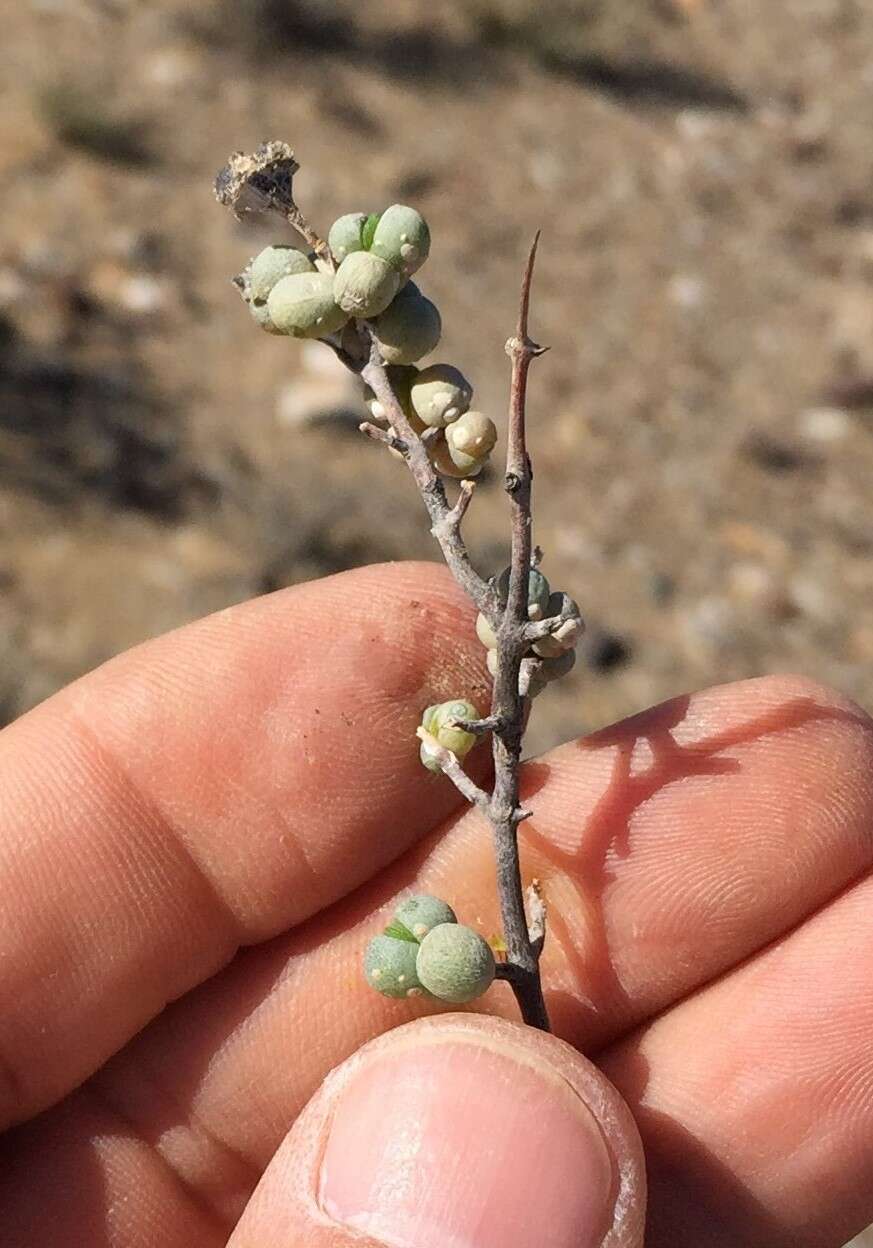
[{"x": 455, "y": 963}]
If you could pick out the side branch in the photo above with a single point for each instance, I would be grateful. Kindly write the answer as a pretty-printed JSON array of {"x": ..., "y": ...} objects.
[
  {"x": 455, "y": 517},
  {"x": 455, "y": 772},
  {"x": 445, "y": 520},
  {"x": 567, "y": 622},
  {"x": 479, "y": 727},
  {"x": 297, "y": 221},
  {"x": 383, "y": 435}
]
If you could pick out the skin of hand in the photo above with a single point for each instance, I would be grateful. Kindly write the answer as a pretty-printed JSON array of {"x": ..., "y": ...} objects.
[{"x": 197, "y": 841}]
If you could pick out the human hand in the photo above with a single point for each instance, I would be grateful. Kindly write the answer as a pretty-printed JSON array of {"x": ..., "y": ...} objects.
[{"x": 213, "y": 821}]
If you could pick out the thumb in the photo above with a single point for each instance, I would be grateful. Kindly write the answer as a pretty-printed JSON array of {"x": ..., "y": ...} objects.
[{"x": 457, "y": 1131}]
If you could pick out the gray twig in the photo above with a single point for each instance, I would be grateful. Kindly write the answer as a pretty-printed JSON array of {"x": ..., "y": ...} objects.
[
  {"x": 383, "y": 435},
  {"x": 445, "y": 520},
  {"x": 478, "y": 727},
  {"x": 507, "y": 703},
  {"x": 457, "y": 513},
  {"x": 455, "y": 772}
]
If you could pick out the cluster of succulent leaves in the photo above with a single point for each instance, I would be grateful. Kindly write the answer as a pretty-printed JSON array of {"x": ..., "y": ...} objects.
[
  {"x": 438, "y": 397},
  {"x": 425, "y": 952},
  {"x": 373, "y": 259},
  {"x": 555, "y": 654}
]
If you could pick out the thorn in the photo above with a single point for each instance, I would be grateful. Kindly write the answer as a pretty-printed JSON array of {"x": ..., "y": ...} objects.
[{"x": 524, "y": 302}]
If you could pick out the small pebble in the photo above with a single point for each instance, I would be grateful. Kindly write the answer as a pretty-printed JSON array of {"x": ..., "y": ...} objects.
[
  {"x": 142, "y": 294},
  {"x": 774, "y": 454},
  {"x": 825, "y": 424},
  {"x": 812, "y": 598},
  {"x": 686, "y": 291},
  {"x": 750, "y": 581},
  {"x": 604, "y": 651},
  {"x": 711, "y": 621},
  {"x": 662, "y": 588}
]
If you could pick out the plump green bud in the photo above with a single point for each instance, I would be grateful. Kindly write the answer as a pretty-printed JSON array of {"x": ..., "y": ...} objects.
[
  {"x": 443, "y": 716},
  {"x": 272, "y": 264},
  {"x": 470, "y": 439},
  {"x": 552, "y": 669},
  {"x": 346, "y": 235},
  {"x": 303, "y": 306},
  {"x": 565, "y": 635},
  {"x": 455, "y": 963},
  {"x": 422, "y": 912},
  {"x": 441, "y": 394},
  {"x": 485, "y": 632},
  {"x": 438, "y": 721},
  {"x": 402, "y": 238},
  {"x": 445, "y": 463},
  {"x": 538, "y": 592},
  {"x": 364, "y": 284},
  {"x": 389, "y": 966},
  {"x": 409, "y": 328},
  {"x": 491, "y": 662}
]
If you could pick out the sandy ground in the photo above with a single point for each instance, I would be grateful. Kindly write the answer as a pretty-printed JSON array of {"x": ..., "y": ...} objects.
[{"x": 702, "y": 427}]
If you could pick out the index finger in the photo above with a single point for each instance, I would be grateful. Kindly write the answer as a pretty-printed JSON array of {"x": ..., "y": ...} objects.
[{"x": 209, "y": 790}]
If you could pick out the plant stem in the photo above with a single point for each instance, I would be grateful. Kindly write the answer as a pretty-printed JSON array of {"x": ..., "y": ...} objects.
[
  {"x": 507, "y": 704},
  {"x": 445, "y": 520}
]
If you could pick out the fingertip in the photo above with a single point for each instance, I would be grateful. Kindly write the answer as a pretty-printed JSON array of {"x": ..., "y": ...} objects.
[{"x": 460, "y": 1129}]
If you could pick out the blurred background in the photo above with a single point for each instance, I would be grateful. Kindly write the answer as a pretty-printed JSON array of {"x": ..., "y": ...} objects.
[{"x": 702, "y": 427}]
